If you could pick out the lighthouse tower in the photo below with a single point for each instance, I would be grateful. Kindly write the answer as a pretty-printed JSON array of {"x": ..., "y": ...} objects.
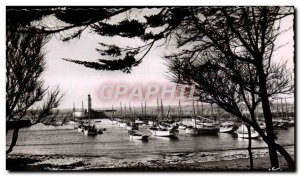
[{"x": 89, "y": 108}]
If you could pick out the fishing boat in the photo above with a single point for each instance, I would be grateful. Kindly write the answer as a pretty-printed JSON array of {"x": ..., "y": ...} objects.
[
  {"x": 191, "y": 130},
  {"x": 194, "y": 120},
  {"x": 163, "y": 129},
  {"x": 163, "y": 132},
  {"x": 90, "y": 130},
  {"x": 139, "y": 121},
  {"x": 291, "y": 122},
  {"x": 243, "y": 133},
  {"x": 122, "y": 124},
  {"x": 137, "y": 135},
  {"x": 132, "y": 126},
  {"x": 80, "y": 128},
  {"x": 228, "y": 127},
  {"x": 207, "y": 128},
  {"x": 181, "y": 126},
  {"x": 150, "y": 122},
  {"x": 262, "y": 125}
]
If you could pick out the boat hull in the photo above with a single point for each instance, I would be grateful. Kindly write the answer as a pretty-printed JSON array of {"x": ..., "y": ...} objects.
[
  {"x": 231, "y": 129},
  {"x": 192, "y": 131},
  {"x": 150, "y": 122},
  {"x": 181, "y": 127},
  {"x": 143, "y": 137},
  {"x": 129, "y": 127},
  {"x": 200, "y": 131},
  {"x": 164, "y": 133},
  {"x": 80, "y": 129},
  {"x": 246, "y": 136},
  {"x": 90, "y": 132},
  {"x": 122, "y": 124}
]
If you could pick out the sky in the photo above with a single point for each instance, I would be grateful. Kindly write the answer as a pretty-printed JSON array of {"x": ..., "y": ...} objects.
[{"x": 77, "y": 81}]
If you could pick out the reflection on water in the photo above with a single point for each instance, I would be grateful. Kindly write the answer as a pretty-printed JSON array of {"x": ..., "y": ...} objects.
[{"x": 115, "y": 142}]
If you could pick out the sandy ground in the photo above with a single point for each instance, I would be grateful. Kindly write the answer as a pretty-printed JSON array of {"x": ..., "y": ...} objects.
[{"x": 235, "y": 160}]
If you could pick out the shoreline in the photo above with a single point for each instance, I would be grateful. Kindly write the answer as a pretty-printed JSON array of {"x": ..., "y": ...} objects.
[{"x": 176, "y": 161}]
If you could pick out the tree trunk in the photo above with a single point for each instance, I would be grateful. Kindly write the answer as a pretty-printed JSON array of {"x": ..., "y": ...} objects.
[
  {"x": 13, "y": 141},
  {"x": 268, "y": 117},
  {"x": 286, "y": 156},
  {"x": 279, "y": 148},
  {"x": 249, "y": 147}
]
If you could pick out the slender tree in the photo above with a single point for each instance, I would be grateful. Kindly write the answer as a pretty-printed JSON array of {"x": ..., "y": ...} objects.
[{"x": 24, "y": 87}]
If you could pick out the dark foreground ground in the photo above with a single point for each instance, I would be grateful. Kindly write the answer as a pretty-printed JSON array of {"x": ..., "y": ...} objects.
[{"x": 35, "y": 163}]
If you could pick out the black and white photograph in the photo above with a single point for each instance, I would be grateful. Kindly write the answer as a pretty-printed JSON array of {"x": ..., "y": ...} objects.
[{"x": 150, "y": 88}]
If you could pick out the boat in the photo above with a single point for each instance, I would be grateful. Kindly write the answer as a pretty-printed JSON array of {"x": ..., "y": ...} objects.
[
  {"x": 132, "y": 126},
  {"x": 243, "y": 133},
  {"x": 228, "y": 127},
  {"x": 182, "y": 126},
  {"x": 262, "y": 125},
  {"x": 195, "y": 120},
  {"x": 280, "y": 126},
  {"x": 113, "y": 119},
  {"x": 90, "y": 130},
  {"x": 191, "y": 130},
  {"x": 163, "y": 129},
  {"x": 163, "y": 132},
  {"x": 291, "y": 123},
  {"x": 139, "y": 121},
  {"x": 122, "y": 124},
  {"x": 80, "y": 128},
  {"x": 137, "y": 135},
  {"x": 150, "y": 122},
  {"x": 207, "y": 128}
]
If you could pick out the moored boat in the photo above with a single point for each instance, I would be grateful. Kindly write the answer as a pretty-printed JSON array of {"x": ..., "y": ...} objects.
[
  {"x": 80, "y": 128},
  {"x": 207, "y": 128},
  {"x": 150, "y": 122},
  {"x": 137, "y": 135},
  {"x": 90, "y": 130},
  {"x": 163, "y": 132},
  {"x": 227, "y": 127},
  {"x": 191, "y": 130},
  {"x": 243, "y": 133}
]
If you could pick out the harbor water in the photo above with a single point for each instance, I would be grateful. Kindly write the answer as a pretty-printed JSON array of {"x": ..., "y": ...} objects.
[{"x": 114, "y": 142}]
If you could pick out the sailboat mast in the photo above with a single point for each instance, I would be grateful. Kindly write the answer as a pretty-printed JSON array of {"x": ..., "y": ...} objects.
[
  {"x": 157, "y": 109},
  {"x": 121, "y": 108},
  {"x": 211, "y": 110},
  {"x": 202, "y": 108},
  {"x": 179, "y": 110},
  {"x": 145, "y": 109},
  {"x": 113, "y": 112},
  {"x": 142, "y": 108},
  {"x": 286, "y": 109},
  {"x": 194, "y": 111},
  {"x": 197, "y": 108},
  {"x": 82, "y": 110},
  {"x": 125, "y": 111},
  {"x": 168, "y": 114},
  {"x": 73, "y": 111},
  {"x": 162, "y": 109}
]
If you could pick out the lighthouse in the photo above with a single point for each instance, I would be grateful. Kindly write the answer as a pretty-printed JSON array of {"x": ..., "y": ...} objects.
[{"x": 89, "y": 108}]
